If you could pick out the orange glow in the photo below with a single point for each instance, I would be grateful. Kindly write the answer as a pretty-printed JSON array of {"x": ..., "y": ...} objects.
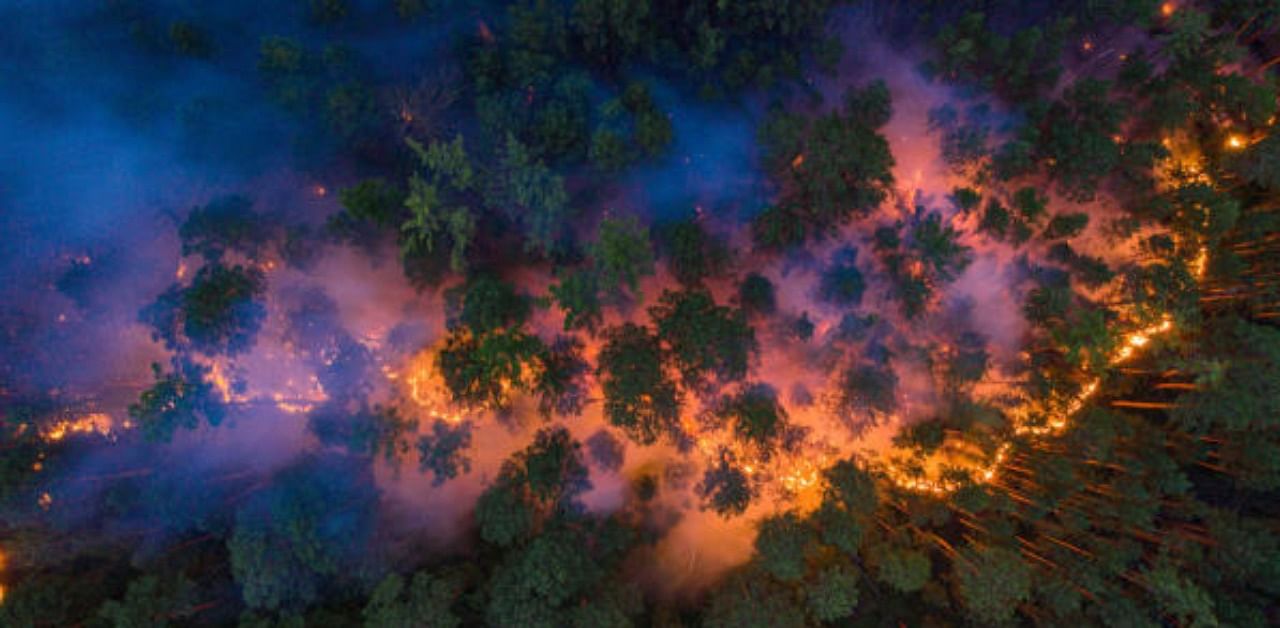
[
  {"x": 1235, "y": 142},
  {"x": 217, "y": 377},
  {"x": 92, "y": 423},
  {"x": 319, "y": 190},
  {"x": 1167, "y": 9},
  {"x": 45, "y": 501},
  {"x": 182, "y": 270},
  {"x": 426, "y": 388},
  {"x": 798, "y": 161}
]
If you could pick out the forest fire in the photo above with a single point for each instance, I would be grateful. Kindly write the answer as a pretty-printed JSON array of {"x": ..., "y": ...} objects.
[{"x": 568, "y": 313}]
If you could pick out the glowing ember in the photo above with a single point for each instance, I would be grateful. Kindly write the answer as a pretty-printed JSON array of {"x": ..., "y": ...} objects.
[
  {"x": 1235, "y": 142},
  {"x": 1167, "y": 9}
]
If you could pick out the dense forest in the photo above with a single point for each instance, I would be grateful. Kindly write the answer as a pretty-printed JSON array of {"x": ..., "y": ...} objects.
[{"x": 600, "y": 313}]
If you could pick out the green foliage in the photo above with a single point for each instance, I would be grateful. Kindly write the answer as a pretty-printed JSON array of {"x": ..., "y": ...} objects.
[
  {"x": 725, "y": 488},
  {"x": 638, "y": 397},
  {"x": 609, "y": 30},
  {"x": 609, "y": 150},
  {"x": 490, "y": 304},
  {"x": 969, "y": 362},
  {"x": 1030, "y": 204},
  {"x": 578, "y": 294},
  {"x": 756, "y": 415},
  {"x": 778, "y": 228},
  {"x": 749, "y": 599},
  {"x": 845, "y": 165},
  {"x": 903, "y": 569},
  {"x": 560, "y": 385},
  {"x": 424, "y": 602},
  {"x": 704, "y": 339},
  {"x": 220, "y": 311},
  {"x": 482, "y": 369},
  {"x": 440, "y": 216},
  {"x": 150, "y": 602},
  {"x": 842, "y": 282},
  {"x": 531, "y": 193},
  {"x": 502, "y": 516},
  {"x": 288, "y": 539},
  {"x": 834, "y": 595},
  {"x": 179, "y": 399},
  {"x": 190, "y": 40},
  {"x": 227, "y": 223},
  {"x": 967, "y": 199},
  {"x": 1063, "y": 226},
  {"x": 693, "y": 253},
  {"x": 929, "y": 256},
  {"x": 1259, "y": 164},
  {"x": 328, "y": 11},
  {"x": 366, "y": 432},
  {"x": 867, "y": 389},
  {"x": 782, "y": 542},
  {"x": 370, "y": 209},
  {"x": 756, "y": 294},
  {"x": 621, "y": 254},
  {"x": 443, "y": 451},
  {"x": 552, "y": 465},
  {"x": 991, "y": 582},
  {"x": 995, "y": 220},
  {"x": 1079, "y": 138},
  {"x": 1017, "y": 67}
]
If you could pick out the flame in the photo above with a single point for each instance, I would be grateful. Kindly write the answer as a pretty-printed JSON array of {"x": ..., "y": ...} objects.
[
  {"x": 1133, "y": 342},
  {"x": 426, "y": 387},
  {"x": 93, "y": 423},
  {"x": 217, "y": 377}
]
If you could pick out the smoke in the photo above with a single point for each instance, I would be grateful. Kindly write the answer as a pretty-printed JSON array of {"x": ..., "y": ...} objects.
[{"x": 112, "y": 137}]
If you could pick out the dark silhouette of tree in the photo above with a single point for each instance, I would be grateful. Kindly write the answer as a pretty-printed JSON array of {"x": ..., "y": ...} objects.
[
  {"x": 638, "y": 396},
  {"x": 704, "y": 339}
]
